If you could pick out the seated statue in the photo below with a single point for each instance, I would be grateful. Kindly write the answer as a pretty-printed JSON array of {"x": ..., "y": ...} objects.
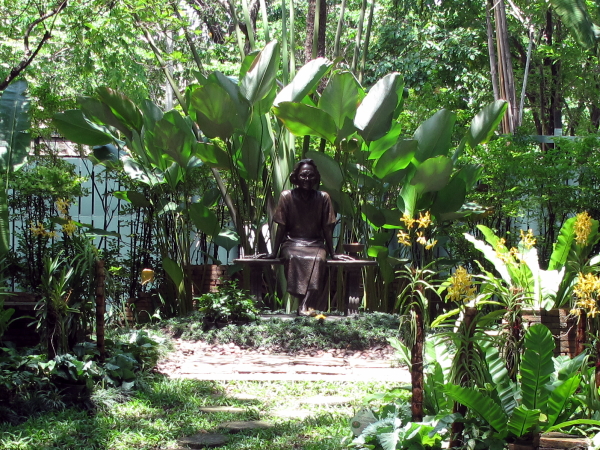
[{"x": 305, "y": 219}]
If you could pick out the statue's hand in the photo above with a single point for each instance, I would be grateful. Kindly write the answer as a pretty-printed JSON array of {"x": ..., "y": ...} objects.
[
  {"x": 342, "y": 258},
  {"x": 265, "y": 256}
]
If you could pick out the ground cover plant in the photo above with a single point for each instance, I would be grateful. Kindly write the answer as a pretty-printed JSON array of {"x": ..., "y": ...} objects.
[
  {"x": 301, "y": 333},
  {"x": 164, "y": 410}
]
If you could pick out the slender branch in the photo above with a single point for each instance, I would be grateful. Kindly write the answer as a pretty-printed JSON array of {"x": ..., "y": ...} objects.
[{"x": 29, "y": 55}]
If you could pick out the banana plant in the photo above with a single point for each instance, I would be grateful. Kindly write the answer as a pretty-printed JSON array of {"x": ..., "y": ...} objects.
[
  {"x": 15, "y": 141},
  {"x": 155, "y": 149},
  {"x": 542, "y": 399}
]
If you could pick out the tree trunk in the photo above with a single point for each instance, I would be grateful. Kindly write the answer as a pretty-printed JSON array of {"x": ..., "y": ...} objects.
[
  {"x": 310, "y": 28},
  {"x": 581, "y": 333},
  {"x": 468, "y": 330},
  {"x": 416, "y": 361}
]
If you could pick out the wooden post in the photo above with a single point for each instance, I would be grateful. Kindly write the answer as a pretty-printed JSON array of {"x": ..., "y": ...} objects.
[
  {"x": 581, "y": 333},
  {"x": 100, "y": 308}
]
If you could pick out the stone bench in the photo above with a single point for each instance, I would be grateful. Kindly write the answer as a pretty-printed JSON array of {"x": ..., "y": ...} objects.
[{"x": 352, "y": 270}]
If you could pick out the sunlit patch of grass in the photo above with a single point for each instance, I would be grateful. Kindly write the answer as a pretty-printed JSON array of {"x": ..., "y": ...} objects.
[{"x": 167, "y": 410}]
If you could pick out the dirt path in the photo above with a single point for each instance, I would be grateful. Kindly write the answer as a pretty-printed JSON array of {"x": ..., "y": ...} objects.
[{"x": 200, "y": 361}]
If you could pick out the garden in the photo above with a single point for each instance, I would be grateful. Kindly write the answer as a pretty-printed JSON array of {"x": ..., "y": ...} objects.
[{"x": 144, "y": 147}]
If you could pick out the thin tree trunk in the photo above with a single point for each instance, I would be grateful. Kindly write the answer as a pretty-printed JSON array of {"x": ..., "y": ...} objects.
[
  {"x": 581, "y": 337},
  {"x": 363, "y": 60},
  {"x": 310, "y": 27},
  {"x": 468, "y": 329},
  {"x": 492, "y": 51},
  {"x": 361, "y": 19},
  {"x": 338, "y": 33},
  {"x": 416, "y": 361}
]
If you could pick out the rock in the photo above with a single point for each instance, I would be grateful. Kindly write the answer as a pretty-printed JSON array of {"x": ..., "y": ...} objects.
[
  {"x": 228, "y": 409},
  {"x": 325, "y": 400},
  {"x": 234, "y": 427},
  {"x": 204, "y": 440}
]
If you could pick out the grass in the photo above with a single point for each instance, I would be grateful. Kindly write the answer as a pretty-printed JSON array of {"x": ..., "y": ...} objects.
[
  {"x": 290, "y": 336},
  {"x": 164, "y": 410}
]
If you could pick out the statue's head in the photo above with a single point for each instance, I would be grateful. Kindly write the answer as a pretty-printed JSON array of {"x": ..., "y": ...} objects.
[{"x": 305, "y": 174}]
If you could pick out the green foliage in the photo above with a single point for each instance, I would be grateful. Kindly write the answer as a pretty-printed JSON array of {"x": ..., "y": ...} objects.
[
  {"x": 227, "y": 305},
  {"x": 301, "y": 333}
]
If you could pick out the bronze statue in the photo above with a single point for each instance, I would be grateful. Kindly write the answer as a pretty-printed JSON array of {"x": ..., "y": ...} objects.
[{"x": 305, "y": 219}]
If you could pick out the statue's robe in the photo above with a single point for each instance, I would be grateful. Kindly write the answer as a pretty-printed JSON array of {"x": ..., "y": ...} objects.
[{"x": 303, "y": 248}]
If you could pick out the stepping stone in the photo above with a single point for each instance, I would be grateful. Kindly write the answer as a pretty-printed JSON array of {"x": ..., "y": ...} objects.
[
  {"x": 241, "y": 396},
  {"x": 227, "y": 409},
  {"x": 204, "y": 440},
  {"x": 299, "y": 414},
  {"x": 235, "y": 427},
  {"x": 325, "y": 400}
]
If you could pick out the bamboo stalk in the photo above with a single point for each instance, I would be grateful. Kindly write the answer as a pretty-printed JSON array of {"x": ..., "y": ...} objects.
[
  {"x": 363, "y": 60},
  {"x": 265, "y": 19},
  {"x": 292, "y": 42},
  {"x": 249, "y": 26},
  {"x": 361, "y": 19},
  {"x": 338, "y": 33},
  {"x": 284, "y": 45}
]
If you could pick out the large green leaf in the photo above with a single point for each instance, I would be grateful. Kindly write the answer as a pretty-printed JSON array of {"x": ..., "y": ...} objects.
[
  {"x": 174, "y": 135},
  {"x": 213, "y": 155},
  {"x": 227, "y": 239},
  {"x": 204, "y": 219},
  {"x": 303, "y": 120},
  {"x": 174, "y": 271},
  {"x": 432, "y": 174},
  {"x": 563, "y": 246},
  {"x": 331, "y": 174},
  {"x": 374, "y": 215},
  {"x": 375, "y": 114},
  {"x": 435, "y": 135},
  {"x": 536, "y": 366},
  {"x": 451, "y": 197},
  {"x": 499, "y": 375},
  {"x": 560, "y": 398},
  {"x": 306, "y": 79},
  {"x": 260, "y": 77},
  {"x": 480, "y": 404},
  {"x": 341, "y": 97},
  {"x": 523, "y": 420},
  {"x": 15, "y": 139},
  {"x": 212, "y": 108},
  {"x": 396, "y": 158},
  {"x": 575, "y": 16},
  {"x": 378, "y": 147},
  {"x": 98, "y": 112},
  {"x": 122, "y": 107},
  {"x": 250, "y": 159},
  {"x": 133, "y": 197},
  {"x": 242, "y": 107},
  {"x": 485, "y": 123},
  {"x": 72, "y": 125}
]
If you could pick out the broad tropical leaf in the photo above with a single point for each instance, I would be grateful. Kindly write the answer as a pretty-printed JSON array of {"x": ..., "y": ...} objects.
[
  {"x": 122, "y": 107},
  {"x": 560, "y": 397},
  {"x": 451, "y": 197},
  {"x": 485, "y": 123},
  {"x": 174, "y": 271},
  {"x": 575, "y": 16},
  {"x": 432, "y": 174},
  {"x": 73, "y": 126},
  {"x": 213, "y": 109},
  {"x": 536, "y": 366},
  {"x": 204, "y": 219},
  {"x": 304, "y": 82},
  {"x": 341, "y": 97},
  {"x": 260, "y": 78},
  {"x": 303, "y": 120},
  {"x": 396, "y": 158},
  {"x": 480, "y": 404},
  {"x": 15, "y": 139},
  {"x": 504, "y": 386},
  {"x": 331, "y": 174},
  {"x": 563, "y": 246},
  {"x": 523, "y": 420},
  {"x": 435, "y": 135},
  {"x": 375, "y": 114}
]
